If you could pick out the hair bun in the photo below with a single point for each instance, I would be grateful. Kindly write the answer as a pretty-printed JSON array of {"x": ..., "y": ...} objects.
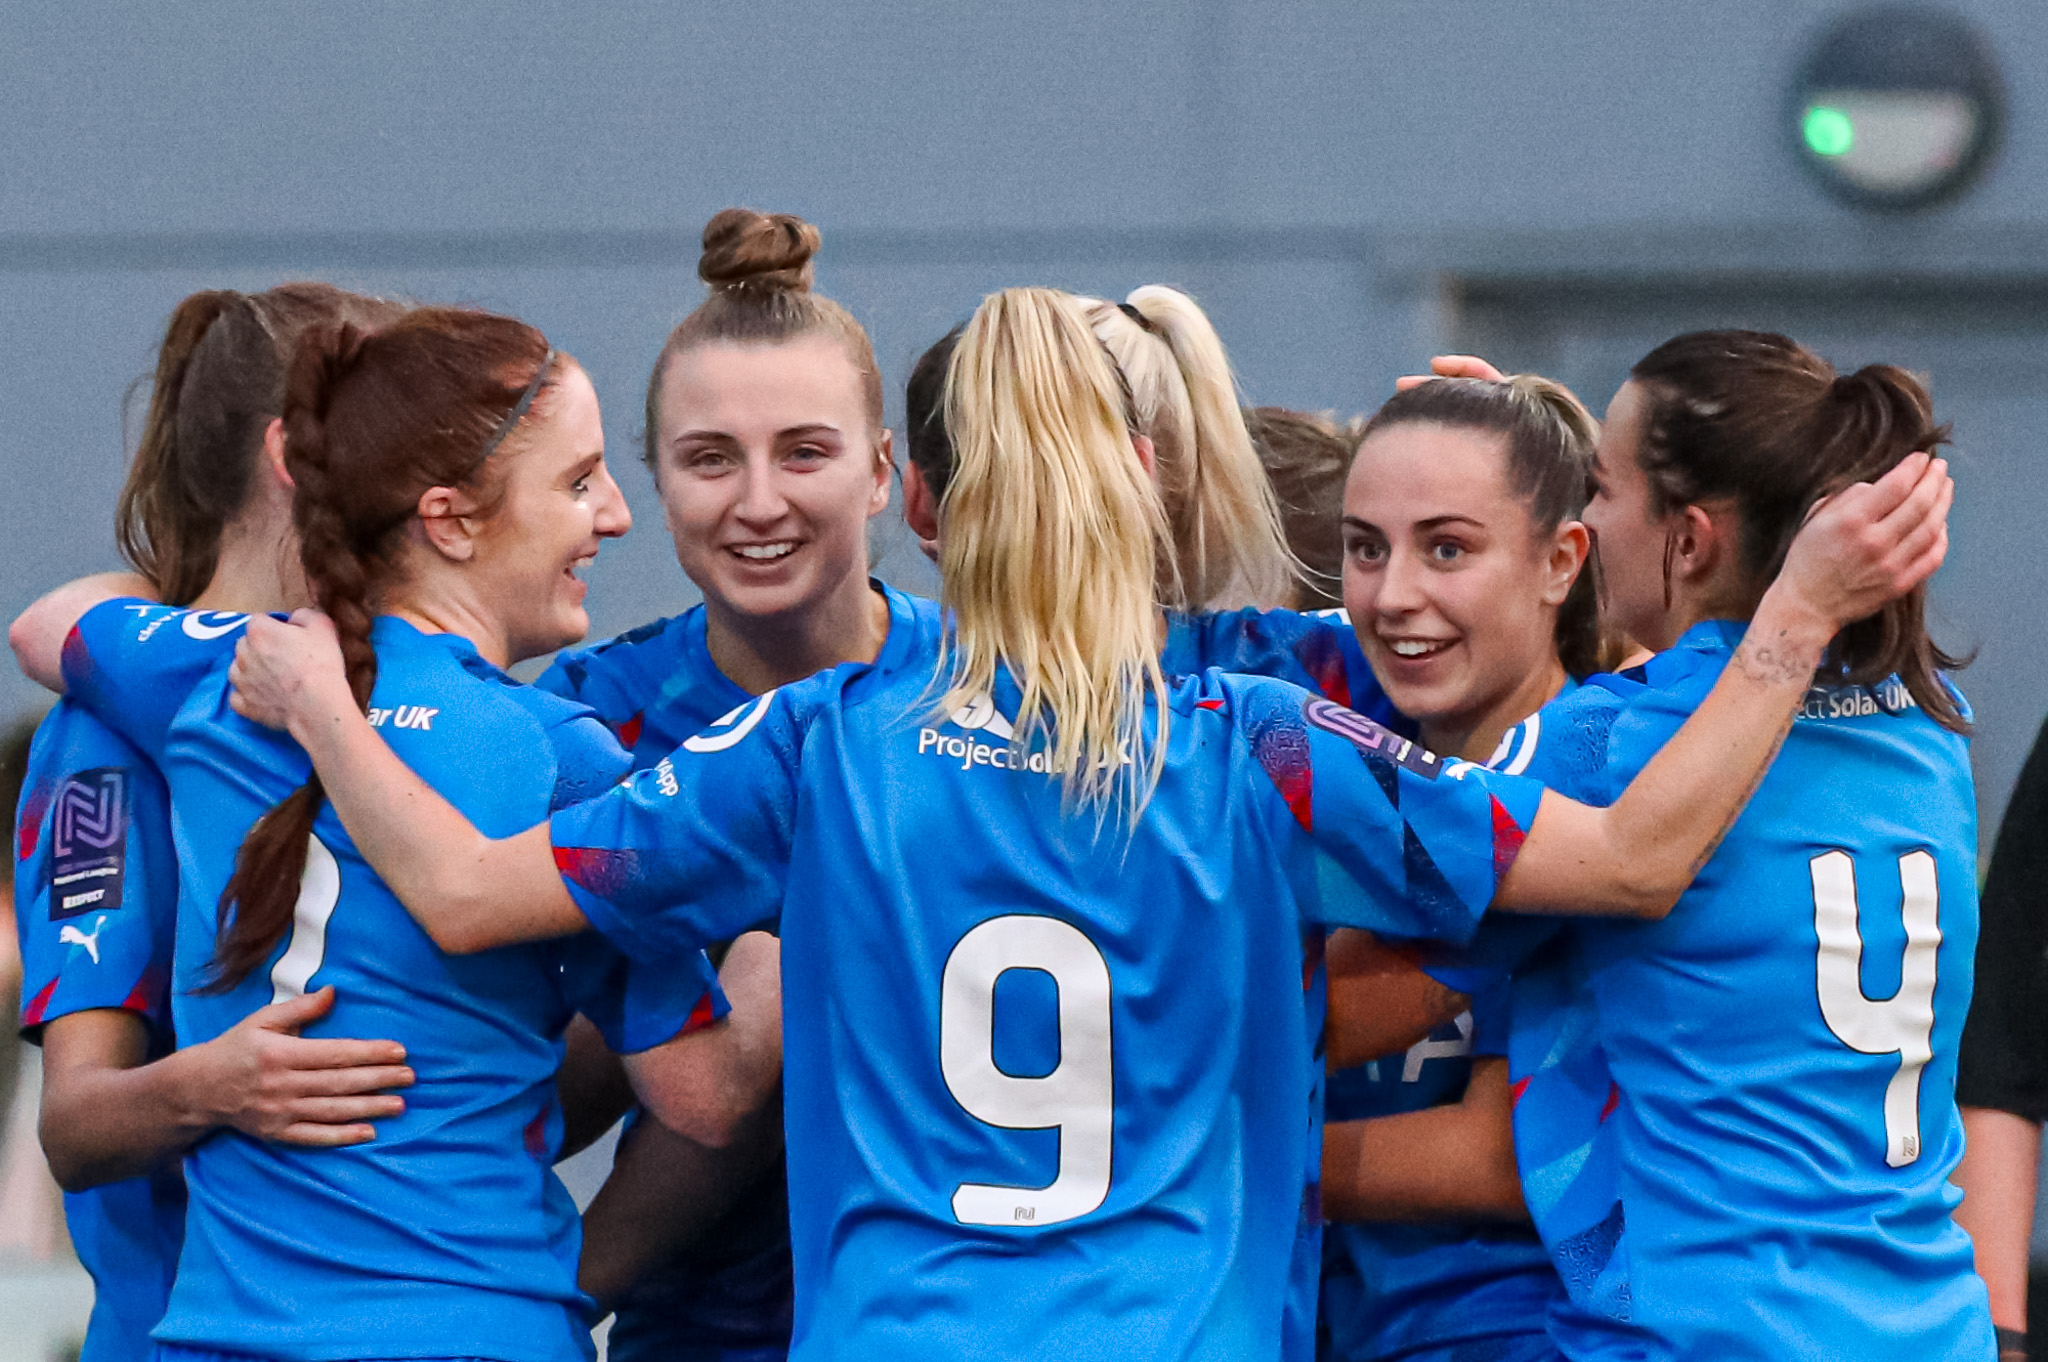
[{"x": 744, "y": 248}]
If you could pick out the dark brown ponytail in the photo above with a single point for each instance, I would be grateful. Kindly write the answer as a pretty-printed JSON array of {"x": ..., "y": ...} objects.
[
  {"x": 372, "y": 421},
  {"x": 218, "y": 384},
  {"x": 1757, "y": 419}
]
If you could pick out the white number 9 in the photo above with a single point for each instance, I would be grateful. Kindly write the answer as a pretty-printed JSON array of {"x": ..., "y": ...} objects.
[{"x": 1077, "y": 1097}]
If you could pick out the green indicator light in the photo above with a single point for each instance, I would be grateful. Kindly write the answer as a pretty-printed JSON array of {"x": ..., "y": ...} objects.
[{"x": 1828, "y": 131}]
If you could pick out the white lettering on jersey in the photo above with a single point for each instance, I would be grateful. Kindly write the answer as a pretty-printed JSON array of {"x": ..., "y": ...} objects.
[
  {"x": 404, "y": 716},
  {"x": 980, "y": 715},
  {"x": 206, "y": 625},
  {"x": 319, "y": 891},
  {"x": 731, "y": 728},
  {"x": 1902, "y": 1024},
  {"x": 665, "y": 777},
  {"x": 68, "y": 935}
]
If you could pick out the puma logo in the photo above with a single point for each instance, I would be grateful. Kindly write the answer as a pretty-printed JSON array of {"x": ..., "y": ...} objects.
[{"x": 68, "y": 935}]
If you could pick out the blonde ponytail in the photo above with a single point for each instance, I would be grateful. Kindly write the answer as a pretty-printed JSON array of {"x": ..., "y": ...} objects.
[
  {"x": 1052, "y": 545},
  {"x": 1230, "y": 548}
]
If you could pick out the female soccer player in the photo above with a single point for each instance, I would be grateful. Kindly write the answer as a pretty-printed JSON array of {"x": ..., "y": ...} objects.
[
  {"x": 1780, "y": 1122},
  {"x": 1229, "y": 546},
  {"x": 765, "y": 436},
  {"x": 449, "y": 487},
  {"x": 1468, "y": 584},
  {"x": 1031, "y": 904},
  {"x": 206, "y": 519}
]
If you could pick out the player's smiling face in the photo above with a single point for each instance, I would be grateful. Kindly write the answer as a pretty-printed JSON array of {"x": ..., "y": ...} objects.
[
  {"x": 1631, "y": 539},
  {"x": 559, "y": 505},
  {"x": 769, "y": 471},
  {"x": 1451, "y": 589}
]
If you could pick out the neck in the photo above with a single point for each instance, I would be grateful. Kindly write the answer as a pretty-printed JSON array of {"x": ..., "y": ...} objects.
[
  {"x": 1475, "y": 737},
  {"x": 449, "y": 610},
  {"x": 257, "y": 571},
  {"x": 758, "y": 653}
]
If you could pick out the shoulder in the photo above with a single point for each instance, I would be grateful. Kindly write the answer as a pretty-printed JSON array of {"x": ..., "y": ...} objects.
[
  {"x": 1565, "y": 744},
  {"x": 646, "y": 652}
]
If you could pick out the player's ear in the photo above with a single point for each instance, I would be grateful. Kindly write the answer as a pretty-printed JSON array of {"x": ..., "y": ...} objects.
[
  {"x": 1701, "y": 543},
  {"x": 921, "y": 511},
  {"x": 447, "y": 519},
  {"x": 1568, "y": 550}
]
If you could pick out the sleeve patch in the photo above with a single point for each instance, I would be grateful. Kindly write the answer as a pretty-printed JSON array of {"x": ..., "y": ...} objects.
[
  {"x": 1372, "y": 739},
  {"x": 88, "y": 837}
]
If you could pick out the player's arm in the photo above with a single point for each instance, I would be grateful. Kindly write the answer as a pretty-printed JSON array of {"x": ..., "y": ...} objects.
[
  {"x": 714, "y": 1099},
  {"x": 1453, "y": 1162},
  {"x": 2001, "y": 1162},
  {"x": 1868, "y": 545},
  {"x": 2002, "y": 1066},
  {"x": 470, "y": 892},
  {"x": 1381, "y": 1001},
  {"x": 108, "y": 1115},
  {"x": 38, "y": 633},
  {"x": 665, "y": 1190}
]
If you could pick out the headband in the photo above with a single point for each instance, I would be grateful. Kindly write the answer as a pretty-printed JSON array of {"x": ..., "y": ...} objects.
[{"x": 519, "y": 408}]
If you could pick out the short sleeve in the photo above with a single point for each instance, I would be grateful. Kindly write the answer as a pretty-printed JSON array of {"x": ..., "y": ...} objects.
[
  {"x": 637, "y": 1005},
  {"x": 696, "y": 848},
  {"x": 588, "y": 761},
  {"x": 1405, "y": 844},
  {"x": 97, "y": 883},
  {"x": 134, "y": 664},
  {"x": 2003, "y": 1063}
]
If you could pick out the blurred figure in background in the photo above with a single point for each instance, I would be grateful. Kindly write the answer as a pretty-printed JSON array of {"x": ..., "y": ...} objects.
[{"x": 2002, "y": 1078}]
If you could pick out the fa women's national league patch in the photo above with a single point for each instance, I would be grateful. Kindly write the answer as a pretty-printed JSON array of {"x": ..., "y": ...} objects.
[{"x": 88, "y": 840}]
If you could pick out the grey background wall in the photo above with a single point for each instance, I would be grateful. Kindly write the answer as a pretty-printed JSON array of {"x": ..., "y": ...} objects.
[{"x": 1346, "y": 186}]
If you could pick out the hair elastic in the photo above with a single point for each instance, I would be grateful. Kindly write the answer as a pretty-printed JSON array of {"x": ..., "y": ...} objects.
[
  {"x": 519, "y": 408},
  {"x": 1144, "y": 322}
]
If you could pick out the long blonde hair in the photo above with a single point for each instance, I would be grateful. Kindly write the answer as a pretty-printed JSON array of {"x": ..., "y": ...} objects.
[
  {"x": 1053, "y": 544},
  {"x": 1230, "y": 548}
]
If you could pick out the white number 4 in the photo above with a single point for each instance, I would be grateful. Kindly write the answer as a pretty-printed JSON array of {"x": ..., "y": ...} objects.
[
  {"x": 1076, "y": 1098},
  {"x": 1902, "y": 1024}
]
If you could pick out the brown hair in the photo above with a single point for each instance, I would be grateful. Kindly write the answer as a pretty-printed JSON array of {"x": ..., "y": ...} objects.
[
  {"x": 1307, "y": 459},
  {"x": 1758, "y": 419},
  {"x": 759, "y": 268},
  {"x": 372, "y": 421},
  {"x": 1548, "y": 437},
  {"x": 219, "y": 382}
]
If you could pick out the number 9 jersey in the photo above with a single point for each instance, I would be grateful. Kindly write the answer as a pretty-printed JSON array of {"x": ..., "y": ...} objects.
[
  {"x": 1783, "y": 1045},
  {"x": 1044, "y": 1076}
]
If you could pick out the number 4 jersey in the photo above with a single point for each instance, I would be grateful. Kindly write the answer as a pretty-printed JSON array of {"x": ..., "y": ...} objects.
[
  {"x": 1044, "y": 1075},
  {"x": 1783, "y": 1045}
]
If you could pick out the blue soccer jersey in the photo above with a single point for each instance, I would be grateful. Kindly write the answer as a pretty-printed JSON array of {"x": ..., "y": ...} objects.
[
  {"x": 1782, "y": 1122},
  {"x": 730, "y": 1295},
  {"x": 1043, "y": 1076},
  {"x": 1317, "y": 651},
  {"x": 96, "y": 899},
  {"x": 1440, "y": 1289},
  {"x": 449, "y": 1234}
]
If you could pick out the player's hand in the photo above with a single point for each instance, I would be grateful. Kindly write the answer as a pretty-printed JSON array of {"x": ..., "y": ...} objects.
[
  {"x": 1871, "y": 543},
  {"x": 266, "y": 1080},
  {"x": 289, "y": 671},
  {"x": 1451, "y": 366}
]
